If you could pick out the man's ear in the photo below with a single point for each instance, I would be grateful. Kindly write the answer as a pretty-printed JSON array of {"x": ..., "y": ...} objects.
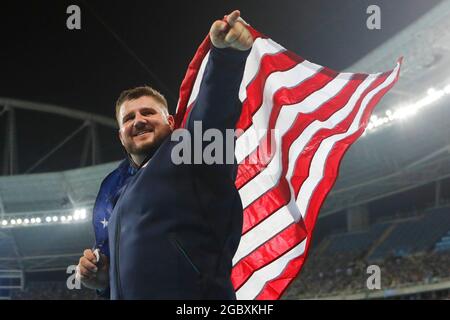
[{"x": 171, "y": 121}]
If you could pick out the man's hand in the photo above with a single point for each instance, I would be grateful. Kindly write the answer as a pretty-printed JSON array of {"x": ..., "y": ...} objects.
[
  {"x": 92, "y": 273},
  {"x": 231, "y": 33}
]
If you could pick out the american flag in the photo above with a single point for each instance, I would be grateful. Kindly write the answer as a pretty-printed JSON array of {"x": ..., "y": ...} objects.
[{"x": 298, "y": 119}]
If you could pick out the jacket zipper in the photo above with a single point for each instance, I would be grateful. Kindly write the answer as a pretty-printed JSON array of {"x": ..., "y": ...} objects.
[
  {"x": 184, "y": 253},
  {"x": 117, "y": 247},
  {"x": 119, "y": 285}
]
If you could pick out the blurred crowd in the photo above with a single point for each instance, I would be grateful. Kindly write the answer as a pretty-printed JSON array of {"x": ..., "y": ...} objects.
[
  {"x": 53, "y": 290},
  {"x": 347, "y": 273}
]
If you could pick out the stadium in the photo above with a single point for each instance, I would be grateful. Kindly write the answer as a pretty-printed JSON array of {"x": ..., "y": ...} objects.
[{"x": 390, "y": 206}]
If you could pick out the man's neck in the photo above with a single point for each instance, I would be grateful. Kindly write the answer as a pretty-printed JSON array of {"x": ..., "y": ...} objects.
[{"x": 138, "y": 159}]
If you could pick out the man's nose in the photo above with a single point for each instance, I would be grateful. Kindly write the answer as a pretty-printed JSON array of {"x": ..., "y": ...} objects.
[{"x": 139, "y": 122}]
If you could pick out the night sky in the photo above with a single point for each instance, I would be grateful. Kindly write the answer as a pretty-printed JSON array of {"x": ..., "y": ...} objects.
[{"x": 123, "y": 44}]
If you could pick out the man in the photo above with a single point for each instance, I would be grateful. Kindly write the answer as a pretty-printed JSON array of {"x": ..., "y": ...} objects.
[{"x": 173, "y": 229}]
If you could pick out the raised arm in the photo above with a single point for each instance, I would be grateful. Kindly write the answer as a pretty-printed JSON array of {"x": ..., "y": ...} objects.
[{"x": 217, "y": 105}]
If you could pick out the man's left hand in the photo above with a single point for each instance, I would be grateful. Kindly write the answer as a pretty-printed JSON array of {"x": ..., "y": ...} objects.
[{"x": 231, "y": 33}]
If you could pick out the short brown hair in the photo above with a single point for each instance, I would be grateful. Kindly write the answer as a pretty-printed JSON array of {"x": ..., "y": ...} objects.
[{"x": 136, "y": 93}]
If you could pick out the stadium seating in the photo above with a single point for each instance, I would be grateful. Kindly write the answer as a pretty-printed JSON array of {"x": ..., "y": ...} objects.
[
  {"x": 415, "y": 235},
  {"x": 357, "y": 241}
]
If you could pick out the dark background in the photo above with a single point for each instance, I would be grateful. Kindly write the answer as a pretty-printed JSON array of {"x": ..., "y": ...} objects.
[{"x": 123, "y": 44}]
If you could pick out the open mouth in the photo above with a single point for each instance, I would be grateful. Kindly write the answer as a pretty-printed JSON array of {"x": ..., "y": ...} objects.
[{"x": 140, "y": 133}]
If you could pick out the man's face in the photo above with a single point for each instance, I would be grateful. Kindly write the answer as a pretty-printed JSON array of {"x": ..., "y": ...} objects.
[{"x": 143, "y": 125}]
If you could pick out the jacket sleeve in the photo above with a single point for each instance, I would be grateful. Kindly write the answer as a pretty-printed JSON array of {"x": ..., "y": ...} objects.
[{"x": 217, "y": 104}]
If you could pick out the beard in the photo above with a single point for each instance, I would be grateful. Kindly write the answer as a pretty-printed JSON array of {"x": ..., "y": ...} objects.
[{"x": 147, "y": 147}]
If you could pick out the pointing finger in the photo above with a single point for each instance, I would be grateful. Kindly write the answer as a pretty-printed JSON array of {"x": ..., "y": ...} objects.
[{"x": 232, "y": 17}]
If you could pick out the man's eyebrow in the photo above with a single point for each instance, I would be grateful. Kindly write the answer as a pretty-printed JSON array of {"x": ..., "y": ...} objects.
[{"x": 156, "y": 108}]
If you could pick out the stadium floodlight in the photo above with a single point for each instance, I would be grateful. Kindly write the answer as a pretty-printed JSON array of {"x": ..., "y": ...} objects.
[
  {"x": 447, "y": 89},
  {"x": 82, "y": 213},
  {"x": 79, "y": 214},
  {"x": 404, "y": 112}
]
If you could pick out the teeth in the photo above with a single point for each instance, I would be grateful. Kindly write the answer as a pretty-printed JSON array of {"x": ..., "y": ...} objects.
[{"x": 141, "y": 133}]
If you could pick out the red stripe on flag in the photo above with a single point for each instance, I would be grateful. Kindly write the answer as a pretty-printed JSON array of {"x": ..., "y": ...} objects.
[
  {"x": 268, "y": 252},
  {"x": 189, "y": 80},
  {"x": 188, "y": 111}
]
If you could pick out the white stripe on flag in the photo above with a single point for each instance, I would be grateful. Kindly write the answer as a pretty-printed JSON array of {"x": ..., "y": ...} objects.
[{"x": 198, "y": 80}]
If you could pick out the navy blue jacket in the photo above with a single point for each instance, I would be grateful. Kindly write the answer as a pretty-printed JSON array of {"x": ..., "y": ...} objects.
[{"x": 174, "y": 229}]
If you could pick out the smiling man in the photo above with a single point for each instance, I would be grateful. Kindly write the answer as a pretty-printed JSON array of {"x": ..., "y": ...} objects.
[
  {"x": 144, "y": 121},
  {"x": 173, "y": 229}
]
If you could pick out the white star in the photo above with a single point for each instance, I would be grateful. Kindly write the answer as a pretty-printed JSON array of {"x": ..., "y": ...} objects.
[{"x": 104, "y": 222}]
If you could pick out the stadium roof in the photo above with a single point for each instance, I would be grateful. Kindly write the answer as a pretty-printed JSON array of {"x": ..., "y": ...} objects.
[{"x": 415, "y": 151}]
